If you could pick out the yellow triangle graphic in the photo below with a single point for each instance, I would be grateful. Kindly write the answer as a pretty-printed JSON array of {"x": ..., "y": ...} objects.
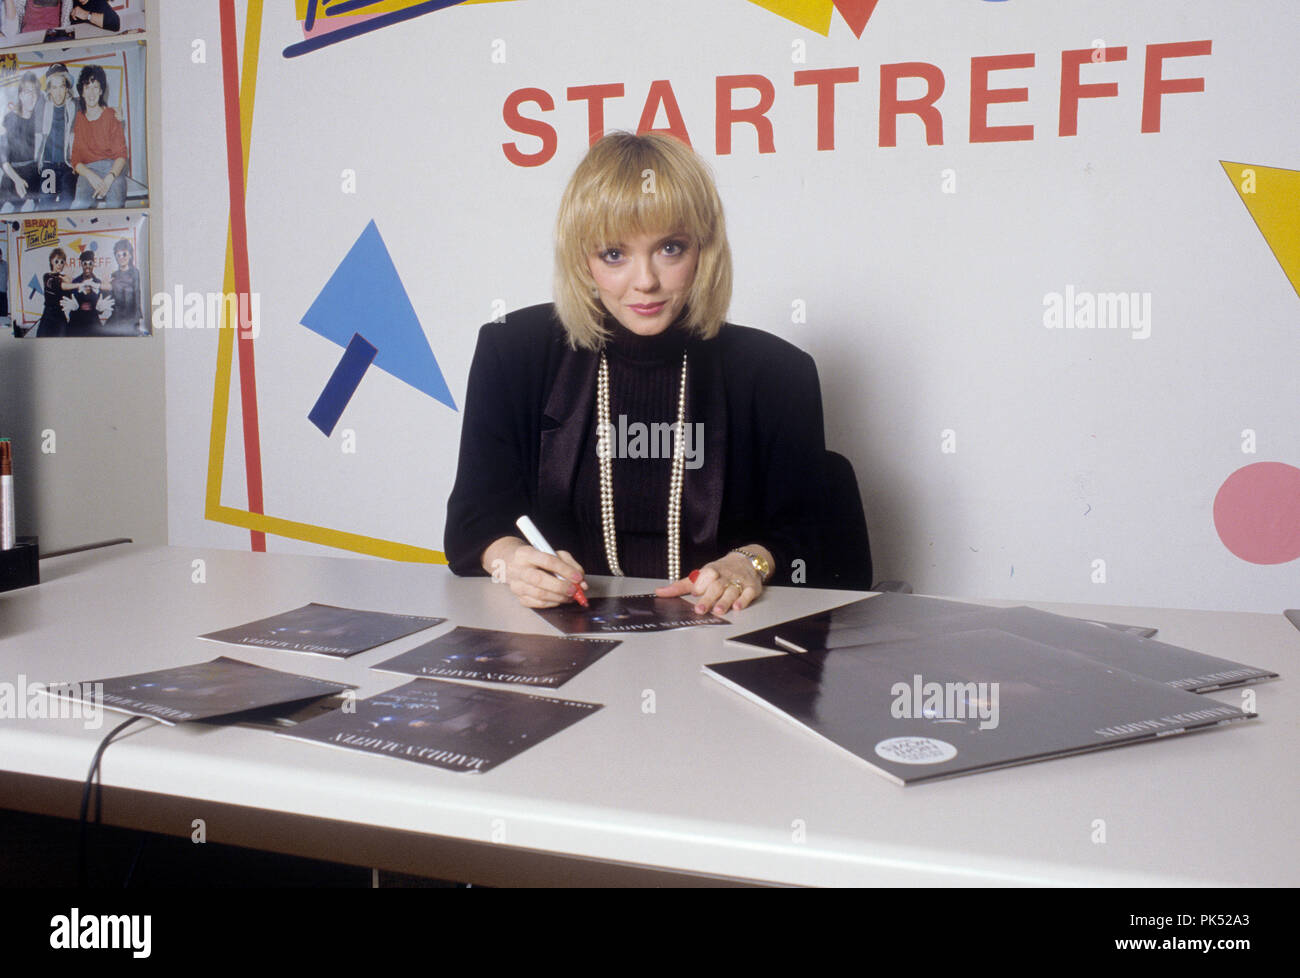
[
  {"x": 812, "y": 14},
  {"x": 1272, "y": 196}
]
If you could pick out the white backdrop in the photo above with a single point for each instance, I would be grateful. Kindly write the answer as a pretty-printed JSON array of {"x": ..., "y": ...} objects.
[{"x": 997, "y": 457}]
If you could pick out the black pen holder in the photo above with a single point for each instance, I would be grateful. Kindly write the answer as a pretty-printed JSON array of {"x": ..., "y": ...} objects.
[{"x": 20, "y": 566}]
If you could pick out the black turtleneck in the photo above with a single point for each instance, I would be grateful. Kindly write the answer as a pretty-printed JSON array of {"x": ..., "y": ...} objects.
[{"x": 645, "y": 374}]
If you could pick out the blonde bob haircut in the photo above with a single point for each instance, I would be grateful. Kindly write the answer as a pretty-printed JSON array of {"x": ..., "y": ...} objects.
[{"x": 628, "y": 185}]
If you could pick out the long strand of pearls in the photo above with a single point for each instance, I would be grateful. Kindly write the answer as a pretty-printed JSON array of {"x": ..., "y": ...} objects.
[{"x": 604, "y": 451}]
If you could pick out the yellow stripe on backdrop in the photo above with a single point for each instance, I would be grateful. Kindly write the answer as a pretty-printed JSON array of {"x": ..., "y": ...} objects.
[
  {"x": 213, "y": 509},
  {"x": 383, "y": 7}
]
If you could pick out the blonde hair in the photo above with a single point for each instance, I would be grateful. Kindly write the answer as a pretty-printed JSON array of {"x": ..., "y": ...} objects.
[{"x": 646, "y": 184}]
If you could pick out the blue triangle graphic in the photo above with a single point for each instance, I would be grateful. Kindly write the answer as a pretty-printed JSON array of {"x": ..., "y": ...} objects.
[{"x": 365, "y": 295}]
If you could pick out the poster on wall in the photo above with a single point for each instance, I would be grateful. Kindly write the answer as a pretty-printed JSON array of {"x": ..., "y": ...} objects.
[
  {"x": 76, "y": 275},
  {"x": 50, "y": 21},
  {"x": 74, "y": 129}
]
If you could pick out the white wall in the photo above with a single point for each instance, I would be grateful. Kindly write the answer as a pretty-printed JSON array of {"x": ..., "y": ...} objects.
[{"x": 925, "y": 308}]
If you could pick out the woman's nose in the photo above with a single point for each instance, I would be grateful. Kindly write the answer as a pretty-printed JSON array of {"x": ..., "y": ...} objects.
[{"x": 646, "y": 276}]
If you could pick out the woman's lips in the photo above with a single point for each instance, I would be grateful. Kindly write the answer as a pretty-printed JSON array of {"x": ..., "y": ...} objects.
[{"x": 647, "y": 309}]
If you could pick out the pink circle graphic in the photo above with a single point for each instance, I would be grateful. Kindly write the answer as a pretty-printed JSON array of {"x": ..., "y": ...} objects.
[{"x": 1257, "y": 512}]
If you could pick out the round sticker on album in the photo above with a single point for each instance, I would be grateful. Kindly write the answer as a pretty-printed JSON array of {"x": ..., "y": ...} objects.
[{"x": 916, "y": 750}]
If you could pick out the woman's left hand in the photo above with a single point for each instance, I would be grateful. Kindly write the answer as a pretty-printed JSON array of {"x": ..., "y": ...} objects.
[{"x": 729, "y": 583}]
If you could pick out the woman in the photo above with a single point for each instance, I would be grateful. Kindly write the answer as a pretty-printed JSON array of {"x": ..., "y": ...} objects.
[
  {"x": 21, "y": 180},
  {"x": 634, "y": 348},
  {"x": 54, "y": 321},
  {"x": 124, "y": 286},
  {"x": 98, "y": 145}
]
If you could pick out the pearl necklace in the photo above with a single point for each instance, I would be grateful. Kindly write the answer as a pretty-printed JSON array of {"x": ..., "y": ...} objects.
[{"x": 603, "y": 452}]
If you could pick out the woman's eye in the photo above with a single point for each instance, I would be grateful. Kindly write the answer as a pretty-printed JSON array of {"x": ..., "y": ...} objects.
[
  {"x": 611, "y": 255},
  {"x": 674, "y": 248}
]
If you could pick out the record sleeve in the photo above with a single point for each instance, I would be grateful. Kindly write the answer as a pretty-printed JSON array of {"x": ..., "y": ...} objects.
[
  {"x": 323, "y": 629},
  {"x": 964, "y": 702},
  {"x": 446, "y": 725},
  {"x": 500, "y": 657},
  {"x": 894, "y": 617},
  {"x": 877, "y": 619},
  {"x": 630, "y": 613},
  {"x": 880, "y": 619},
  {"x": 205, "y": 690},
  {"x": 284, "y": 715},
  {"x": 1173, "y": 665}
]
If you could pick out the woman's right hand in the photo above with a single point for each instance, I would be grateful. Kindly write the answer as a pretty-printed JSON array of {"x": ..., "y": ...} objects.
[{"x": 531, "y": 574}]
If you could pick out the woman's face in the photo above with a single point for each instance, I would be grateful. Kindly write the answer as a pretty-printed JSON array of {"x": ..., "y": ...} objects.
[
  {"x": 27, "y": 99},
  {"x": 644, "y": 279},
  {"x": 123, "y": 258},
  {"x": 57, "y": 263},
  {"x": 91, "y": 92}
]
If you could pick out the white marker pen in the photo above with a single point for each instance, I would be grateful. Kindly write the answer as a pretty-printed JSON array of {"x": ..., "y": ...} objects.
[
  {"x": 538, "y": 542},
  {"x": 7, "y": 536}
]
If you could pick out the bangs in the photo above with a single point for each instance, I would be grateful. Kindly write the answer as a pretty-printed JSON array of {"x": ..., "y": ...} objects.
[
  {"x": 642, "y": 193},
  {"x": 627, "y": 211}
]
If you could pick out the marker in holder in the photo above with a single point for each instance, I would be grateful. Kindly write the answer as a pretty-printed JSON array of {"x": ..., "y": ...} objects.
[{"x": 20, "y": 565}]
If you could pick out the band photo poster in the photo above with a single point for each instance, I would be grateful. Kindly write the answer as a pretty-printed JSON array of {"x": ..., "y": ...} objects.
[
  {"x": 73, "y": 129},
  {"x": 78, "y": 275}
]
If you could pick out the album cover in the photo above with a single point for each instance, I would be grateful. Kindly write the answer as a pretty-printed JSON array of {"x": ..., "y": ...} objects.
[
  {"x": 1171, "y": 664},
  {"x": 447, "y": 725},
  {"x": 878, "y": 619},
  {"x": 631, "y": 613},
  {"x": 500, "y": 657},
  {"x": 963, "y": 702},
  {"x": 322, "y": 629},
  {"x": 866, "y": 620},
  {"x": 204, "y": 690},
  {"x": 283, "y": 715},
  {"x": 897, "y": 617}
]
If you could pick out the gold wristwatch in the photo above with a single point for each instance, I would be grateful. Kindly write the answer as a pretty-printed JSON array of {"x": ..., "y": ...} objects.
[{"x": 760, "y": 564}]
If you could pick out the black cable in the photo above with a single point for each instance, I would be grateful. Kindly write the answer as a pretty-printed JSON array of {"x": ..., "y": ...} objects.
[
  {"x": 139, "y": 851},
  {"x": 93, "y": 779}
]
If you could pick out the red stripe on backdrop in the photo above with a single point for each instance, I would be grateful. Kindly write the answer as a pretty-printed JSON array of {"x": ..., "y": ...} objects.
[{"x": 239, "y": 240}]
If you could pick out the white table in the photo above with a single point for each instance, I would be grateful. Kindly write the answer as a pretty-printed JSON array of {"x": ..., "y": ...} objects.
[{"x": 705, "y": 788}]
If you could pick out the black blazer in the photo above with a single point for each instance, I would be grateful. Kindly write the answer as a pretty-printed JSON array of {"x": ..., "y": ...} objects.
[{"x": 530, "y": 406}]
